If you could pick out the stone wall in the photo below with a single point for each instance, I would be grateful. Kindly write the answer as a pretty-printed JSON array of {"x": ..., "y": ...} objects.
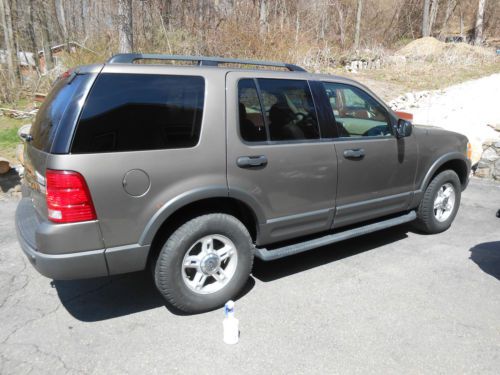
[{"x": 489, "y": 165}]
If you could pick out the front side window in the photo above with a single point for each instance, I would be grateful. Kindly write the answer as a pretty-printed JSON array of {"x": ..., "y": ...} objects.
[
  {"x": 132, "y": 112},
  {"x": 282, "y": 110},
  {"x": 356, "y": 113}
]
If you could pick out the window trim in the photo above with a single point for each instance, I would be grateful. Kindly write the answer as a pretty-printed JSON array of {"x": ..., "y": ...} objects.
[{"x": 390, "y": 121}]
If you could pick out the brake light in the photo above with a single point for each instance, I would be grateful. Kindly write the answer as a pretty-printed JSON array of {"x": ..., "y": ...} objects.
[{"x": 68, "y": 197}]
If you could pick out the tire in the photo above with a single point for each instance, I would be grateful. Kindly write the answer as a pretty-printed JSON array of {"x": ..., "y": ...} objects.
[
  {"x": 429, "y": 219},
  {"x": 196, "y": 270}
]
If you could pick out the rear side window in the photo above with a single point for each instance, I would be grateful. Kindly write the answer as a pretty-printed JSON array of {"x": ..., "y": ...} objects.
[
  {"x": 132, "y": 112},
  {"x": 52, "y": 110},
  {"x": 279, "y": 110}
]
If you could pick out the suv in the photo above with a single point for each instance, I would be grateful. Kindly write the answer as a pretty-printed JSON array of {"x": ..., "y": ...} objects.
[{"x": 192, "y": 170}]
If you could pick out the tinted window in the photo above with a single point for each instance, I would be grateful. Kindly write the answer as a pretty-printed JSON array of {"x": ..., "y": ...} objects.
[
  {"x": 289, "y": 109},
  {"x": 130, "y": 112},
  {"x": 252, "y": 125},
  {"x": 52, "y": 110},
  {"x": 356, "y": 113}
]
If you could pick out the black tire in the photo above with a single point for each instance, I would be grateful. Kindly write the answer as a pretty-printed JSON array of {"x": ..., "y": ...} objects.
[
  {"x": 169, "y": 274},
  {"x": 426, "y": 219}
]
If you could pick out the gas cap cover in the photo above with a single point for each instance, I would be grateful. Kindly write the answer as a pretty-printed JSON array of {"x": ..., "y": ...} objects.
[{"x": 136, "y": 182}]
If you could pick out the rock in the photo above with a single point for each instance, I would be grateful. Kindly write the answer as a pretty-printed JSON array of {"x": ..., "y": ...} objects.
[
  {"x": 490, "y": 154},
  {"x": 488, "y": 143},
  {"x": 497, "y": 145},
  {"x": 483, "y": 172},
  {"x": 483, "y": 164}
]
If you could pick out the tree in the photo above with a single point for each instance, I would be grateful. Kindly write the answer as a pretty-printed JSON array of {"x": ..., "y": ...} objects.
[
  {"x": 478, "y": 31},
  {"x": 61, "y": 19},
  {"x": 358, "y": 24},
  {"x": 263, "y": 16},
  {"x": 425, "y": 19},
  {"x": 125, "y": 29},
  {"x": 5, "y": 18}
]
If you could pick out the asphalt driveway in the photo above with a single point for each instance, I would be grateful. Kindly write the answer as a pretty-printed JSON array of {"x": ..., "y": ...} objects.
[{"x": 390, "y": 302}]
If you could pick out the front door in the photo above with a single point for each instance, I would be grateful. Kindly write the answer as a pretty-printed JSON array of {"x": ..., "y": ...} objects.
[
  {"x": 276, "y": 160},
  {"x": 376, "y": 170}
]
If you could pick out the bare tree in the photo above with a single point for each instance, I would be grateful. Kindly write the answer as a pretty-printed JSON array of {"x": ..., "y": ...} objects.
[
  {"x": 125, "y": 30},
  {"x": 358, "y": 24},
  {"x": 425, "y": 18},
  {"x": 263, "y": 16},
  {"x": 433, "y": 14},
  {"x": 478, "y": 31},
  {"x": 5, "y": 18},
  {"x": 61, "y": 19}
]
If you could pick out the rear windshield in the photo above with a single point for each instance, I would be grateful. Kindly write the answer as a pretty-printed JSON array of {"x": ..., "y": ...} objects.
[
  {"x": 131, "y": 112},
  {"x": 51, "y": 112}
]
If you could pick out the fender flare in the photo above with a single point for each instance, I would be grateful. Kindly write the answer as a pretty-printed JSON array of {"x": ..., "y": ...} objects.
[
  {"x": 439, "y": 162},
  {"x": 193, "y": 196}
]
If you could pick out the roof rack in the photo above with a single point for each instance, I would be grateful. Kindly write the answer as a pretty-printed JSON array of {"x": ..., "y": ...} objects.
[{"x": 129, "y": 58}]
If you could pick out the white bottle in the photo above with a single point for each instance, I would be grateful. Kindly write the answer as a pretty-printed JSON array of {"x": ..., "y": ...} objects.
[{"x": 230, "y": 324}]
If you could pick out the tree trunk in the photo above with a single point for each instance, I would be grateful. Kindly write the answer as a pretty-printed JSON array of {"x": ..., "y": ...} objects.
[
  {"x": 433, "y": 14},
  {"x": 425, "y": 19},
  {"x": 61, "y": 21},
  {"x": 478, "y": 31},
  {"x": 263, "y": 16},
  {"x": 5, "y": 19},
  {"x": 450, "y": 8},
  {"x": 125, "y": 31},
  {"x": 358, "y": 24},
  {"x": 47, "y": 40}
]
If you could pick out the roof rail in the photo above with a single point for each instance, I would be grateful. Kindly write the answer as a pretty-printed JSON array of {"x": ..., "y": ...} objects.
[{"x": 128, "y": 58}]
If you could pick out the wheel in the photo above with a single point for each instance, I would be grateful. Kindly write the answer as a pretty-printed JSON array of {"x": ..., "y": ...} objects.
[
  {"x": 204, "y": 263},
  {"x": 440, "y": 203}
]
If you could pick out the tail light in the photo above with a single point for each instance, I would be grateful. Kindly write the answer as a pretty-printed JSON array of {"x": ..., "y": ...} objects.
[{"x": 68, "y": 197}]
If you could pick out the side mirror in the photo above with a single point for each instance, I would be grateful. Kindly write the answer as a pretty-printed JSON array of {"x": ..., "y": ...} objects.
[
  {"x": 403, "y": 128},
  {"x": 24, "y": 133}
]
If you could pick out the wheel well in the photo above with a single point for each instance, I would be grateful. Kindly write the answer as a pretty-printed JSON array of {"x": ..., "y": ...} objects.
[
  {"x": 456, "y": 165},
  {"x": 225, "y": 205}
]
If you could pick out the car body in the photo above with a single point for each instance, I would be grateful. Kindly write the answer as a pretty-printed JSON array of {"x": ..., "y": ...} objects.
[{"x": 293, "y": 156}]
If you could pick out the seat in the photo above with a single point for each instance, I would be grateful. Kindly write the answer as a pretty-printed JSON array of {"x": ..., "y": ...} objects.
[{"x": 281, "y": 125}]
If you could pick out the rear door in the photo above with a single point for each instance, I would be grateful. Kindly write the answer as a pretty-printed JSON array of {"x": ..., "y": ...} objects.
[
  {"x": 276, "y": 159},
  {"x": 376, "y": 170}
]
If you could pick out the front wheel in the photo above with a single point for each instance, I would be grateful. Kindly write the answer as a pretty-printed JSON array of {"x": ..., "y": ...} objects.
[
  {"x": 440, "y": 203},
  {"x": 204, "y": 263}
]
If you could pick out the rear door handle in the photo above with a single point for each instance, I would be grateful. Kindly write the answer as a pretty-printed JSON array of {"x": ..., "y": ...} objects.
[
  {"x": 251, "y": 161},
  {"x": 356, "y": 153}
]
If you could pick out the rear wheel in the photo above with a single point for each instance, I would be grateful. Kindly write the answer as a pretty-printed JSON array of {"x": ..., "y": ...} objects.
[
  {"x": 204, "y": 263},
  {"x": 440, "y": 203}
]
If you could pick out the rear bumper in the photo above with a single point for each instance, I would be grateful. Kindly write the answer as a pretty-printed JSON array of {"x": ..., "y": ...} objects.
[{"x": 73, "y": 265}]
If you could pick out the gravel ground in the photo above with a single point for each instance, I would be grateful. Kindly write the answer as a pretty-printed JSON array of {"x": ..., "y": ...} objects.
[{"x": 391, "y": 302}]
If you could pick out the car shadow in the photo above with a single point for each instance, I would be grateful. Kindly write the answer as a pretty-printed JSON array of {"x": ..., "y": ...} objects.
[
  {"x": 269, "y": 271},
  {"x": 104, "y": 298},
  {"x": 487, "y": 256}
]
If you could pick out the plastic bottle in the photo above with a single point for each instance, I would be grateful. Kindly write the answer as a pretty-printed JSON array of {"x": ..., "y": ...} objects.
[{"x": 230, "y": 324}]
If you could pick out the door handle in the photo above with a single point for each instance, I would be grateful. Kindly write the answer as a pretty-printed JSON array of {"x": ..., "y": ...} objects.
[
  {"x": 356, "y": 153},
  {"x": 251, "y": 161}
]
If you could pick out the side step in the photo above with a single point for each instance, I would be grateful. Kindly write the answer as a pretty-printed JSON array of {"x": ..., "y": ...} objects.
[{"x": 267, "y": 255}]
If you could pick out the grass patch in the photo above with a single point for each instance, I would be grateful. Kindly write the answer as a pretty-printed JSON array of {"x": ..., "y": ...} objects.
[{"x": 8, "y": 136}]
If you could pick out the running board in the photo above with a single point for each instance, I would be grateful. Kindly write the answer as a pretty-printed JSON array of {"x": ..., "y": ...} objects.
[{"x": 267, "y": 255}]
